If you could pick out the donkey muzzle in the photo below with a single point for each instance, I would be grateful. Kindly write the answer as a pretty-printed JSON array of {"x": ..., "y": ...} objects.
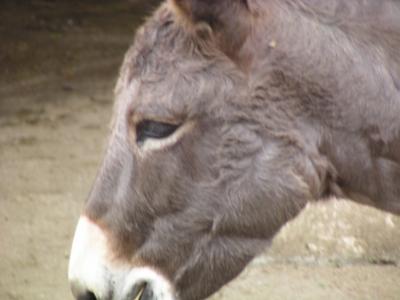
[{"x": 94, "y": 276}]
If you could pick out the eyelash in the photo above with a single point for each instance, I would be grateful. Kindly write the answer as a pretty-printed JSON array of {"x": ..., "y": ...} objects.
[{"x": 155, "y": 130}]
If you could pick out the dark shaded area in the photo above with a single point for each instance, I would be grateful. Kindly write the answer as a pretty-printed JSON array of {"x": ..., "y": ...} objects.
[{"x": 55, "y": 41}]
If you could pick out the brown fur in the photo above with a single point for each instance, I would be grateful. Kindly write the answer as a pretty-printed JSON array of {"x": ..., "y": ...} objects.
[{"x": 291, "y": 101}]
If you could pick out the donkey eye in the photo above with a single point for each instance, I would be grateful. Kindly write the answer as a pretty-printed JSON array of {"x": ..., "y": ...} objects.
[{"x": 155, "y": 130}]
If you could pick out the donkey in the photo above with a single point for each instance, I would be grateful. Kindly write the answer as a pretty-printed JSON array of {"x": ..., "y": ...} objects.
[{"x": 230, "y": 116}]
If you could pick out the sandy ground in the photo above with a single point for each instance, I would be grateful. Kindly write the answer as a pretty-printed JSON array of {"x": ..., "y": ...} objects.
[{"x": 59, "y": 61}]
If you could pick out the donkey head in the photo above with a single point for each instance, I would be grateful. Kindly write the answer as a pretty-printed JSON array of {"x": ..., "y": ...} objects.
[{"x": 192, "y": 185}]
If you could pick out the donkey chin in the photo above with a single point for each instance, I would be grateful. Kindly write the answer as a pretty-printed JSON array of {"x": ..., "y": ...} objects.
[{"x": 93, "y": 275}]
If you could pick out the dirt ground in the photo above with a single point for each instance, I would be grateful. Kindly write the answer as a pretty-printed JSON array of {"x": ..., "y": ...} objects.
[{"x": 59, "y": 61}]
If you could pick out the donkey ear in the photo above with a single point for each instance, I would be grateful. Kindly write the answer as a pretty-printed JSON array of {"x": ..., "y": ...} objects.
[{"x": 228, "y": 19}]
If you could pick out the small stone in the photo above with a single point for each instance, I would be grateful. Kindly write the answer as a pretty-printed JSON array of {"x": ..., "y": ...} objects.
[
  {"x": 273, "y": 44},
  {"x": 312, "y": 247}
]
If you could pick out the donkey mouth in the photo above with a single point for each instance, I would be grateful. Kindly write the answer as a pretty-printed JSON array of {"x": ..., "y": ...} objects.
[
  {"x": 139, "y": 292},
  {"x": 142, "y": 291}
]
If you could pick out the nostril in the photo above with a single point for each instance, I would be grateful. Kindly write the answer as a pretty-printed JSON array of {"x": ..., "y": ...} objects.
[{"x": 87, "y": 296}]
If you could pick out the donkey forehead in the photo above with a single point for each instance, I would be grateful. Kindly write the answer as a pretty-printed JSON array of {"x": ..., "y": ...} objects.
[
  {"x": 167, "y": 73},
  {"x": 184, "y": 86}
]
